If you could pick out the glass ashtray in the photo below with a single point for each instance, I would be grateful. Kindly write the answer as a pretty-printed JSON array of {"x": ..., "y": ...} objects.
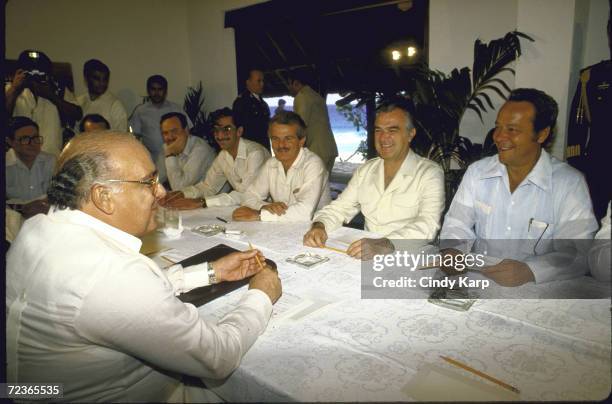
[
  {"x": 208, "y": 230},
  {"x": 307, "y": 260}
]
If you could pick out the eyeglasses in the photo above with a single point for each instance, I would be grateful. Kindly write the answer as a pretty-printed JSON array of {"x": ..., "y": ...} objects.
[
  {"x": 225, "y": 129},
  {"x": 152, "y": 183},
  {"x": 31, "y": 139}
]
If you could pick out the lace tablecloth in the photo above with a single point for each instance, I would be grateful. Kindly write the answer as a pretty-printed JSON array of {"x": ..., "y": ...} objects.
[{"x": 325, "y": 343}]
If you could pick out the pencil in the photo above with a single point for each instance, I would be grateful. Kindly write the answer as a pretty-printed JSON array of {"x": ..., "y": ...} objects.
[
  {"x": 256, "y": 257},
  {"x": 335, "y": 249},
  {"x": 479, "y": 373}
]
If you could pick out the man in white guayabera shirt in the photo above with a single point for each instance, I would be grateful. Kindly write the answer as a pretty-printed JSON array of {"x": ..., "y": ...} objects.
[
  {"x": 86, "y": 309},
  {"x": 295, "y": 178}
]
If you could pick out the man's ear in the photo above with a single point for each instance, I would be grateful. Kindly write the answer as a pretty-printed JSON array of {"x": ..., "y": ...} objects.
[
  {"x": 303, "y": 141},
  {"x": 543, "y": 135},
  {"x": 239, "y": 131},
  {"x": 102, "y": 198}
]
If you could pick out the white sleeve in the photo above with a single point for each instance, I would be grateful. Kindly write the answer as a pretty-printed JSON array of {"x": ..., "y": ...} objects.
[
  {"x": 344, "y": 208},
  {"x": 198, "y": 162},
  {"x": 259, "y": 190},
  {"x": 214, "y": 181},
  {"x": 118, "y": 118}
]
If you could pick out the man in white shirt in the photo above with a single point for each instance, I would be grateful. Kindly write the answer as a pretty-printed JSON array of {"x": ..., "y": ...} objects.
[
  {"x": 238, "y": 163},
  {"x": 400, "y": 194},
  {"x": 186, "y": 158},
  {"x": 98, "y": 99},
  {"x": 295, "y": 178},
  {"x": 85, "y": 309},
  {"x": 145, "y": 119},
  {"x": 522, "y": 206},
  {"x": 312, "y": 108},
  {"x": 599, "y": 254},
  {"x": 33, "y": 93},
  {"x": 28, "y": 169}
]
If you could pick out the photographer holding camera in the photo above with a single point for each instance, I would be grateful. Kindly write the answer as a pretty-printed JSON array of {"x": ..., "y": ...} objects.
[{"x": 35, "y": 94}]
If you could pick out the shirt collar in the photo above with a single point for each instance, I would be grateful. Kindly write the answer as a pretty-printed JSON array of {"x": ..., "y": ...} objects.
[
  {"x": 296, "y": 163},
  {"x": 189, "y": 145},
  {"x": 81, "y": 218},
  {"x": 242, "y": 150},
  {"x": 255, "y": 95},
  {"x": 540, "y": 175},
  {"x": 11, "y": 159},
  {"x": 409, "y": 165}
]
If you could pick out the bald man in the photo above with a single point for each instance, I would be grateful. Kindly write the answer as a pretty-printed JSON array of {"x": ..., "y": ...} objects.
[{"x": 118, "y": 331}]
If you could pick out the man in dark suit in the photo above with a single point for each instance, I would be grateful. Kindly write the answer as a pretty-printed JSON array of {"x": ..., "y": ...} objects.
[
  {"x": 251, "y": 111},
  {"x": 589, "y": 140}
]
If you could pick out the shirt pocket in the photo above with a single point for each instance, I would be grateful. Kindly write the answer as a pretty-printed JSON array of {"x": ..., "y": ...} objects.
[
  {"x": 402, "y": 210},
  {"x": 483, "y": 213},
  {"x": 538, "y": 240}
]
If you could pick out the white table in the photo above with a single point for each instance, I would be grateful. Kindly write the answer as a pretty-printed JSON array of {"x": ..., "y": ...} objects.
[{"x": 330, "y": 345}]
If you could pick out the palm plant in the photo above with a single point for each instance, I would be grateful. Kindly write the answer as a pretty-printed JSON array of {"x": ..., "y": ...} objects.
[
  {"x": 441, "y": 101},
  {"x": 193, "y": 105}
]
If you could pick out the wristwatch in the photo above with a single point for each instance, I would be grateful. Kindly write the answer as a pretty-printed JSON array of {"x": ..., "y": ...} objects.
[{"x": 212, "y": 278}]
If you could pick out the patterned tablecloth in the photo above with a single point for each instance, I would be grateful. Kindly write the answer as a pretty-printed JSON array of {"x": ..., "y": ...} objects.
[{"x": 325, "y": 343}]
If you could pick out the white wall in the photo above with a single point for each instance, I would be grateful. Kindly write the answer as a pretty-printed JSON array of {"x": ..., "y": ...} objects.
[
  {"x": 134, "y": 38},
  {"x": 453, "y": 28},
  {"x": 212, "y": 50},
  {"x": 596, "y": 41}
]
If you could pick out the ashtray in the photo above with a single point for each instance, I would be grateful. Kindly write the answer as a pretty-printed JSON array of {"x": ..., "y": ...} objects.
[
  {"x": 307, "y": 260},
  {"x": 454, "y": 299},
  {"x": 208, "y": 230}
]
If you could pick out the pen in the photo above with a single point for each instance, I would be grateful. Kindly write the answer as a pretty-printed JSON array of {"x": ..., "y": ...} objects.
[{"x": 220, "y": 218}]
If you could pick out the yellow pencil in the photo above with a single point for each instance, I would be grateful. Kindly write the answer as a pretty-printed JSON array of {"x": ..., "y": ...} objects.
[
  {"x": 479, "y": 373},
  {"x": 256, "y": 257},
  {"x": 335, "y": 249}
]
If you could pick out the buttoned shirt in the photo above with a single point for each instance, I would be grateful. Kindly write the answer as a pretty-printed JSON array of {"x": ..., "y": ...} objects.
[
  {"x": 552, "y": 202},
  {"x": 45, "y": 114},
  {"x": 108, "y": 106},
  {"x": 599, "y": 254},
  {"x": 87, "y": 310},
  {"x": 239, "y": 172},
  {"x": 313, "y": 110},
  {"x": 25, "y": 184},
  {"x": 145, "y": 122},
  {"x": 409, "y": 208},
  {"x": 304, "y": 188},
  {"x": 190, "y": 166}
]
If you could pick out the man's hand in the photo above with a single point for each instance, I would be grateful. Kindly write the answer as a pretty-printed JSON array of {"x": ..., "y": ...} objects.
[
  {"x": 176, "y": 147},
  {"x": 509, "y": 273},
  {"x": 42, "y": 90},
  {"x": 169, "y": 197},
  {"x": 277, "y": 208},
  {"x": 238, "y": 265},
  {"x": 449, "y": 254},
  {"x": 245, "y": 214},
  {"x": 366, "y": 248},
  {"x": 268, "y": 282},
  {"x": 316, "y": 236},
  {"x": 34, "y": 208},
  {"x": 18, "y": 80}
]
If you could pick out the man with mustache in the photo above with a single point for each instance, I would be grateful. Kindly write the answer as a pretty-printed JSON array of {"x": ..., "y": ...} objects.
[
  {"x": 238, "y": 163},
  {"x": 400, "y": 193},
  {"x": 513, "y": 205},
  {"x": 295, "y": 178}
]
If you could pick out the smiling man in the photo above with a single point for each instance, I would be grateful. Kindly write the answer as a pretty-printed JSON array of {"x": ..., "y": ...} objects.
[
  {"x": 238, "y": 163},
  {"x": 86, "y": 309},
  {"x": 186, "y": 158},
  {"x": 511, "y": 206},
  {"x": 400, "y": 193},
  {"x": 295, "y": 178}
]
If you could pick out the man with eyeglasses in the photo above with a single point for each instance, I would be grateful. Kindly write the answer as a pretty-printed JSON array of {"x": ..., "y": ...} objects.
[
  {"x": 400, "y": 193},
  {"x": 238, "y": 163},
  {"x": 185, "y": 159},
  {"x": 86, "y": 309},
  {"x": 28, "y": 168}
]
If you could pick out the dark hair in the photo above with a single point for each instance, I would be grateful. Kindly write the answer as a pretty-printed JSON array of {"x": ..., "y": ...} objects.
[
  {"x": 93, "y": 118},
  {"x": 95, "y": 65},
  {"x": 290, "y": 118},
  {"x": 298, "y": 75},
  {"x": 402, "y": 103},
  {"x": 181, "y": 117},
  {"x": 546, "y": 109},
  {"x": 221, "y": 113},
  {"x": 28, "y": 61},
  {"x": 19, "y": 122},
  {"x": 71, "y": 185},
  {"x": 159, "y": 79},
  {"x": 251, "y": 70}
]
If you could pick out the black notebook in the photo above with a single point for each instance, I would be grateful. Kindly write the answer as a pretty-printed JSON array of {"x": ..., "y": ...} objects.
[{"x": 205, "y": 294}]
